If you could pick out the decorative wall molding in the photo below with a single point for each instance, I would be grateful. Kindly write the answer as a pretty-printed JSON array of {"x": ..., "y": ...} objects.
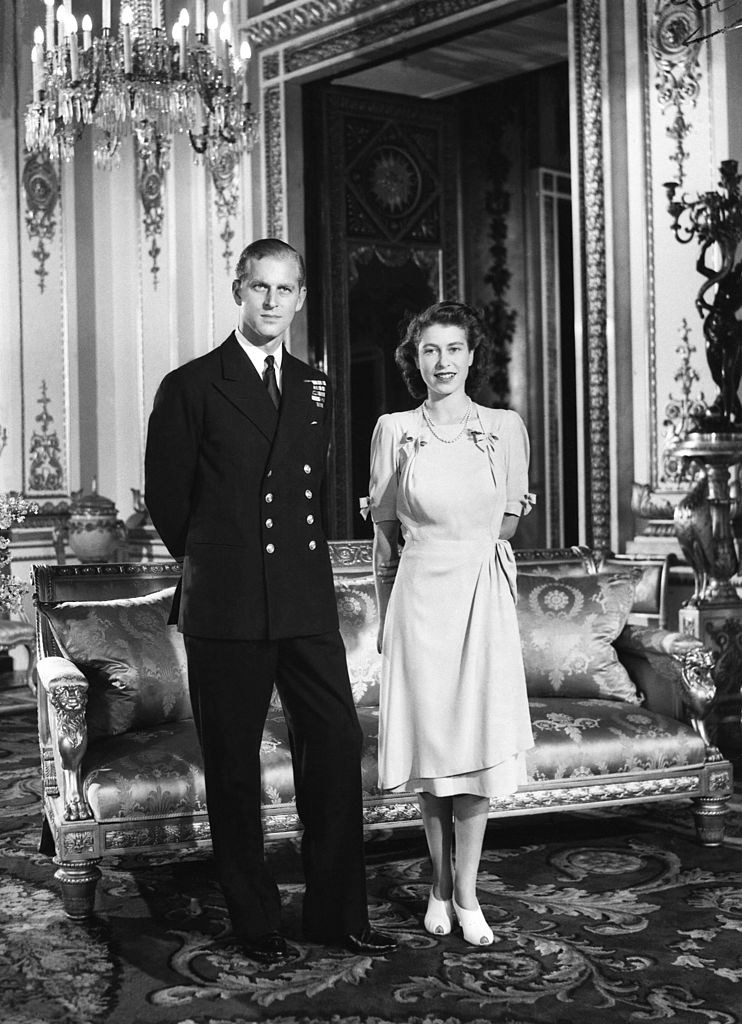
[
  {"x": 648, "y": 184},
  {"x": 588, "y": 80},
  {"x": 394, "y": 256},
  {"x": 553, "y": 190},
  {"x": 225, "y": 178},
  {"x": 499, "y": 317},
  {"x": 305, "y": 17},
  {"x": 681, "y": 414},
  {"x": 46, "y": 473},
  {"x": 273, "y": 115},
  {"x": 153, "y": 161},
  {"x": 270, "y": 66},
  {"x": 41, "y": 185},
  {"x": 677, "y": 27}
]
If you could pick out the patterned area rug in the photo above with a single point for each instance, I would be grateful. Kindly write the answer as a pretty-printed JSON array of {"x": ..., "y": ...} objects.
[
  {"x": 614, "y": 917},
  {"x": 15, "y": 694}
]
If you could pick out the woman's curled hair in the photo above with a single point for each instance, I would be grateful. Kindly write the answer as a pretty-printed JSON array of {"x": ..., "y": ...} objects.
[{"x": 447, "y": 314}]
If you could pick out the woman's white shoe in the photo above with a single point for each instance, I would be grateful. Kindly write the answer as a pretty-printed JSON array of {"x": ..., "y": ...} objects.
[
  {"x": 473, "y": 925},
  {"x": 438, "y": 916}
]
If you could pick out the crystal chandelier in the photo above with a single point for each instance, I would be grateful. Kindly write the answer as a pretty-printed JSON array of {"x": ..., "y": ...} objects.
[{"x": 140, "y": 81}]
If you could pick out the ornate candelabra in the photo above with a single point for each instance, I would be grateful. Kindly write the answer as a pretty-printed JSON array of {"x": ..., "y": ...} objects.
[
  {"x": 703, "y": 519},
  {"x": 715, "y": 220},
  {"x": 139, "y": 82}
]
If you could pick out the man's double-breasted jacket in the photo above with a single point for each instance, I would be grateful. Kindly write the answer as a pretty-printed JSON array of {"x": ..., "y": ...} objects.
[{"x": 233, "y": 488}]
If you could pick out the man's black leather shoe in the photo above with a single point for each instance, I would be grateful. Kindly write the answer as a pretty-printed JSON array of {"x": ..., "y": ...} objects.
[
  {"x": 270, "y": 948},
  {"x": 369, "y": 941}
]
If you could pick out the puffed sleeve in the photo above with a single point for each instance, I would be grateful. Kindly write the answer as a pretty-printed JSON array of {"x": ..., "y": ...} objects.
[
  {"x": 382, "y": 488},
  {"x": 519, "y": 500}
]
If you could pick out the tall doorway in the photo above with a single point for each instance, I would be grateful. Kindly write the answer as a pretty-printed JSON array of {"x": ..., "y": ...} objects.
[
  {"x": 413, "y": 199},
  {"x": 384, "y": 245}
]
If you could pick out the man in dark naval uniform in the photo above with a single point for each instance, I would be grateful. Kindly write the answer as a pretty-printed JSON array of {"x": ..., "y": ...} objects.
[{"x": 236, "y": 453}]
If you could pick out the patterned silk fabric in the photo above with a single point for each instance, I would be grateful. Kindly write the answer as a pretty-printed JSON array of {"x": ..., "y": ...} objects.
[
  {"x": 359, "y": 626},
  {"x": 134, "y": 662},
  {"x": 588, "y": 738},
  {"x": 159, "y": 770},
  {"x": 567, "y": 625},
  {"x": 146, "y": 772}
]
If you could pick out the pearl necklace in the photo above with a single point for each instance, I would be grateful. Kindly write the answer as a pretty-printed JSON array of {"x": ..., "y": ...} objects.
[{"x": 448, "y": 440}]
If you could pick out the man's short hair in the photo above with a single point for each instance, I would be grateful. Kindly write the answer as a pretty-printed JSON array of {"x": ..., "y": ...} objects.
[{"x": 275, "y": 248}]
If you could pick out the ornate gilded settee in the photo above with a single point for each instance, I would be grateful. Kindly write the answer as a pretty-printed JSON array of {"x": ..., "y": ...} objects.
[{"x": 617, "y": 710}]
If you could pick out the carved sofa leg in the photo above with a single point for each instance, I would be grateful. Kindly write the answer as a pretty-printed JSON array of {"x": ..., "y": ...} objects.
[
  {"x": 77, "y": 882},
  {"x": 710, "y": 814}
]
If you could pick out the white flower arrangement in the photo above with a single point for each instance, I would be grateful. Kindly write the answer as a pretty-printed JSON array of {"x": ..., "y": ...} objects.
[{"x": 13, "y": 509}]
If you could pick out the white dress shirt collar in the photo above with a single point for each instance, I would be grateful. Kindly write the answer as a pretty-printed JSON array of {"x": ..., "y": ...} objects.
[{"x": 257, "y": 355}]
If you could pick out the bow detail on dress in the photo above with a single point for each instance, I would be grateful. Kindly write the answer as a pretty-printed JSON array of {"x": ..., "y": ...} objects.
[
  {"x": 528, "y": 501},
  {"x": 484, "y": 439},
  {"x": 409, "y": 445}
]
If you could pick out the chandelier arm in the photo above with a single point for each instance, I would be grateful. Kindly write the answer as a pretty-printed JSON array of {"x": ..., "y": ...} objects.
[
  {"x": 683, "y": 235},
  {"x": 204, "y": 92},
  {"x": 199, "y": 145},
  {"x": 96, "y": 92},
  {"x": 231, "y": 139}
]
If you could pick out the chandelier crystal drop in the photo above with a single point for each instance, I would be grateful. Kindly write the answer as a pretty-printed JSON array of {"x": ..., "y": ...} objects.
[{"x": 139, "y": 82}]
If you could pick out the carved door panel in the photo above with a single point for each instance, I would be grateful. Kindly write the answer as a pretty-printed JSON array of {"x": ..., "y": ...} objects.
[{"x": 382, "y": 245}]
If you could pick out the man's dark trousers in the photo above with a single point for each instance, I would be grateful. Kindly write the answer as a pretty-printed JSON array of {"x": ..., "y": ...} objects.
[{"x": 231, "y": 684}]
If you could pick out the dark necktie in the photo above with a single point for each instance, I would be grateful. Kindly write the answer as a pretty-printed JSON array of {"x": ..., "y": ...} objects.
[{"x": 269, "y": 379}]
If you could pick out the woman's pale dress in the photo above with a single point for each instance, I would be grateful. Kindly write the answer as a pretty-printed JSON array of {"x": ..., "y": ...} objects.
[{"x": 453, "y": 708}]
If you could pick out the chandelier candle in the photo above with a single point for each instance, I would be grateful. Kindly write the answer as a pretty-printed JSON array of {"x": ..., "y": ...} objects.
[
  {"x": 185, "y": 20},
  {"x": 224, "y": 33},
  {"x": 212, "y": 24},
  {"x": 200, "y": 16},
  {"x": 126, "y": 16},
  {"x": 74, "y": 53},
  {"x": 49, "y": 24},
  {"x": 245, "y": 54},
  {"x": 61, "y": 17},
  {"x": 35, "y": 64}
]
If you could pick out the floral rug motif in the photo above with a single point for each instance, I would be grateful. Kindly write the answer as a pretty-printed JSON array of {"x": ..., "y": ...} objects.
[{"x": 614, "y": 917}]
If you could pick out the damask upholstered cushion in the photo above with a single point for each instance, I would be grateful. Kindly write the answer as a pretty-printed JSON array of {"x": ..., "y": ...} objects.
[
  {"x": 359, "y": 626},
  {"x": 567, "y": 625},
  {"x": 133, "y": 661},
  {"x": 146, "y": 773},
  {"x": 276, "y": 770},
  {"x": 577, "y": 739}
]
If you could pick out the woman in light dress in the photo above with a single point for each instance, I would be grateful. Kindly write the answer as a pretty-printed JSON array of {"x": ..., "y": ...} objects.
[{"x": 454, "y": 724}]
